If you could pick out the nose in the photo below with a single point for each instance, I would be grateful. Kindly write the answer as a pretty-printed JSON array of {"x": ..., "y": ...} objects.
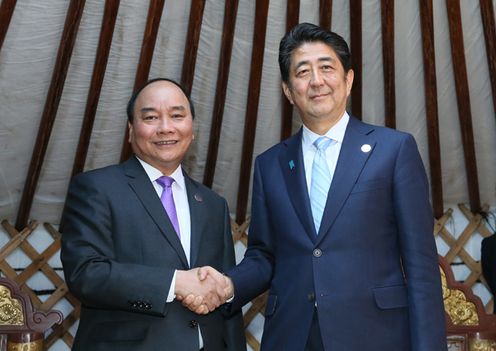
[
  {"x": 317, "y": 79},
  {"x": 165, "y": 125}
]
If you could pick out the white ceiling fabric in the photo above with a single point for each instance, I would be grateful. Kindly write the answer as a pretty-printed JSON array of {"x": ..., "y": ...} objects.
[{"x": 29, "y": 52}]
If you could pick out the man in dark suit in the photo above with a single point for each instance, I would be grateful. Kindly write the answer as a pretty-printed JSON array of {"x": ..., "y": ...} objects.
[
  {"x": 127, "y": 254},
  {"x": 341, "y": 231},
  {"x": 488, "y": 262}
]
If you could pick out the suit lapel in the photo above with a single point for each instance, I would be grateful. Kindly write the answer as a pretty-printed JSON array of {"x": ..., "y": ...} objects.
[
  {"x": 293, "y": 170},
  {"x": 198, "y": 215},
  {"x": 143, "y": 188},
  {"x": 350, "y": 164}
]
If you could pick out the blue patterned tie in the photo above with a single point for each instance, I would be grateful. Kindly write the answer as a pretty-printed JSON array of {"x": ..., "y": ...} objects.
[{"x": 321, "y": 180}]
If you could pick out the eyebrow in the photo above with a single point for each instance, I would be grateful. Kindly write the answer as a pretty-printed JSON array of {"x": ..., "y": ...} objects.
[
  {"x": 172, "y": 108},
  {"x": 320, "y": 59},
  {"x": 178, "y": 107},
  {"x": 147, "y": 109}
]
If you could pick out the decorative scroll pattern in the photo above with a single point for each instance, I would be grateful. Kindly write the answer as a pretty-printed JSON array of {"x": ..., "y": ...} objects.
[
  {"x": 482, "y": 345},
  {"x": 29, "y": 346},
  {"x": 461, "y": 311},
  {"x": 10, "y": 309}
]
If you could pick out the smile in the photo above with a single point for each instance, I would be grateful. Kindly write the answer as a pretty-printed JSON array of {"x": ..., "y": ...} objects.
[
  {"x": 318, "y": 96},
  {"x": 166, "y": 142}
]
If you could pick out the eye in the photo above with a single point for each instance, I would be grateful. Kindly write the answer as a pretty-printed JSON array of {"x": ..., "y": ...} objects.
[
  {"x": 149, "y": 117},
  {"x": 327, "y": 68},
  {"x": 177, "y": 115},
  {"x": 302, "y": 72}
]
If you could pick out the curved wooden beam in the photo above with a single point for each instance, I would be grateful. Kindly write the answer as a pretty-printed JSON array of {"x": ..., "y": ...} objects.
[
  {"x": 101, "y": 59},
  {"x": 387, "y": 20},
  {"x": 59, "y": 74},
  {"x": 230, "y": 12},
  {"x": 463, "y": 101},
  {"x": 356, "y": 56},
  {"x": 292, "y": 16},
  {"x": 6, "y": 10},
  {"x": 430, "y": 92},
  {"x": 260, "y": 29},
  {"x": 147, "y": 48},
  {"x": 191, "y": 47}
]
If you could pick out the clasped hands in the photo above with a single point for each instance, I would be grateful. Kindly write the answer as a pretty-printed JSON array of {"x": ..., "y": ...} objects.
[{"x": 203, "y": 289}]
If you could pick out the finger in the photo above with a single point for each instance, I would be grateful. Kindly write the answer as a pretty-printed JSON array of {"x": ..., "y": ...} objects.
[
  {"x": 202, "y": 309},
  {"x": 188, "y": 300}
]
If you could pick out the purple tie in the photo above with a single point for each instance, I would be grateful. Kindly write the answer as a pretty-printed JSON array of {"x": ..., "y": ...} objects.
[{"x": 168, "y": 201}]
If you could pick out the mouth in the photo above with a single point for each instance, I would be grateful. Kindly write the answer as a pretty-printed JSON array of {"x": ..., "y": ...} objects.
[
  {"x": 166, "y": 142},
  {"x": 318, "y": 96}
]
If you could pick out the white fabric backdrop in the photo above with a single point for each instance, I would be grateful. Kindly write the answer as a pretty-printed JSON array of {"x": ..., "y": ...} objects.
[{"x": 29, "y": 52}]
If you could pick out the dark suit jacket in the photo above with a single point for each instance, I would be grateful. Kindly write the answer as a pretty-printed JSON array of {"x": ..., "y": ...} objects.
[
  {"x": 119, "y": 253},
  {"x": 372, "y": 270},
  {"x": 488, "y": 262}
]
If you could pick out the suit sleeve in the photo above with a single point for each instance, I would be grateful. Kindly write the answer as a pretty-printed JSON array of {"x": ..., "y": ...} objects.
[
  {"x": 418, "y": 250},
  {"x": 91, "y": 268},
  {"x": 253, "y": 275},
  {"x": 234, "y": 331}
]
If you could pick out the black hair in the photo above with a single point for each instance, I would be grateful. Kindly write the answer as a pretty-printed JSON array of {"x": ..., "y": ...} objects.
[
  {"x": 132, "y": 100},
  {"x": 307, "y": 33}
]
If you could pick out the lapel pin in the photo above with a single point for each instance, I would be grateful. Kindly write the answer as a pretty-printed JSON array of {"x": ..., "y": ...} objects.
[
  {"x": 366, "y": 148},
  {"x": 198, "y": 198},
  {"x": 291, "y": 165}
]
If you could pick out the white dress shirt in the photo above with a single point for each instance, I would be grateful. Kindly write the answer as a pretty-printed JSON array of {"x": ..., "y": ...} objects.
[
  {"x": 183, "y": 215},
  {"x": 336, "y": 133}
]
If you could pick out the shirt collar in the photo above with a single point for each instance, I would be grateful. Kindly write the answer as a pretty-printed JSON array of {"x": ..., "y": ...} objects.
[
  {"x": 154, "y": 173},
  {"x": 335, "y": 133}
]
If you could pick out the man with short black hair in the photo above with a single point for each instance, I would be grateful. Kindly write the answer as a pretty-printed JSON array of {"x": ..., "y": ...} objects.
[{"x": 341, "y": 230}]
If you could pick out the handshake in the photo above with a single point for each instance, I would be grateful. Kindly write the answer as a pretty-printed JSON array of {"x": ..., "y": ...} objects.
[{"x": 203, "y": 289}]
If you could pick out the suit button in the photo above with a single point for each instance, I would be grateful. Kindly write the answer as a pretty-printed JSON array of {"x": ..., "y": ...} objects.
[
  {"x": 148, "y": 306},
  {"x": 317, "y": 253},
  {"x": 193, "y": 324},
  {"x": 311, "y": 297}
]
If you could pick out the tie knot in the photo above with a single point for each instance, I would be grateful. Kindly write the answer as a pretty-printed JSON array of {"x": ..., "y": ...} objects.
[
  {"x": 322, "y": 143},
  {"x": 165, "y": 181}
]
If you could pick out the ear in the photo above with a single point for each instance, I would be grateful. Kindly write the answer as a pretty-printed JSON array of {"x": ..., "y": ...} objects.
[
  {"x": 287, "y": 92},
  {"x": 349, "y": 81},
  {"x": 130, "y": 129}
]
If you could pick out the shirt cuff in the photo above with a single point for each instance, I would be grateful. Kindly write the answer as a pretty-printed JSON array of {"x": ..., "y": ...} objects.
[{"x": 171, "y": 296}]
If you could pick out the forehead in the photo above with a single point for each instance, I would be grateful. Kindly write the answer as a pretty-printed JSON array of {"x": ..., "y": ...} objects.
[
  {"x": 161, "y": 94},
  {"x": 313, "y": 51}
]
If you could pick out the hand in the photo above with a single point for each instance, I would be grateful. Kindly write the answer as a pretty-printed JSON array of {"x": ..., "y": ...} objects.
[
  {"x": 225, "y": 289},
  {"x": 221, "y": 279},
  {"x": 203, "y": 295}
]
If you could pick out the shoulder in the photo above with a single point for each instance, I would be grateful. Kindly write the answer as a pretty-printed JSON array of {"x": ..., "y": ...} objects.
[
  {"x": 100, "y": 172},
  {"x": 386, "y": 139},
  {"x": 99, "y": 176},
  {"x": 292, "y": 143},
  {"x": 377, "y": 131}
]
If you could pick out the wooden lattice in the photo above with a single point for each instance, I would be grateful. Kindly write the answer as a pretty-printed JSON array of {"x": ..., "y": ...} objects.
[
  {"x": 476, "y": 225},
  {"x": 39, "y": 263}
]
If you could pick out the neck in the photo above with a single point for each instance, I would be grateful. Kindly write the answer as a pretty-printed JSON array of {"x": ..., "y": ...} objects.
[{"x": 321, "y": 126}]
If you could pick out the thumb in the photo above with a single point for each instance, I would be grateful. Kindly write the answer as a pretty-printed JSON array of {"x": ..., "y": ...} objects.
[{"x": 202, "y": 273}]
